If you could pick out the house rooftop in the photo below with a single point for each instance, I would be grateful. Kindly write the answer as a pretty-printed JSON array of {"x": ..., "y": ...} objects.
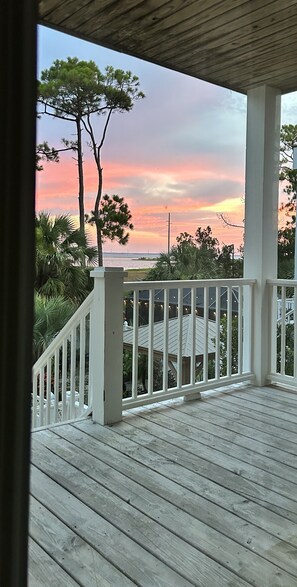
[{"x": 202, "y": 338}]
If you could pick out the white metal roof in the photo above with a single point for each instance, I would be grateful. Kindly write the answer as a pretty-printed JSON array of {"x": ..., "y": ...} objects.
[{"x": 173, "y": 336}]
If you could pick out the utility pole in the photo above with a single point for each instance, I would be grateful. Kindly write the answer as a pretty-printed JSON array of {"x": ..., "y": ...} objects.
[
  {"x": 168, "y": 241},
  {"x": 295, "y": 259}
]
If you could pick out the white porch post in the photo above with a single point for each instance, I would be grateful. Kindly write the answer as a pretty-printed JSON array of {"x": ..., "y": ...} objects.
[
  {"x": 106, "y": 345},
  {"x": 261, "y": 213}
]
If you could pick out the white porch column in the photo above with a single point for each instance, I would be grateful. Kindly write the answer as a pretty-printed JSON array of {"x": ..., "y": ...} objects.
[
  {"x": 106, "y": 345},
  {"x": 261, "y": 212}
]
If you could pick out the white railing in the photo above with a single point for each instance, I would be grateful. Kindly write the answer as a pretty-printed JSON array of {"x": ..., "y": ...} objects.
[
  {"x": 283, "y": 339},
  {"x": 178, "y": 338},
  {"x": 61, "y": 375},
  {"x": 183, "y": 337}
]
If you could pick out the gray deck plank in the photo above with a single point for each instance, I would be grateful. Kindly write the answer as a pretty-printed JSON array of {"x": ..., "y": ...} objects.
[
  {"x": 282, "y": 486},
  {"x": 142, "y": 446},
  {"x": 255, "y": 453},
  {"x": 202, "y": 493},
  {"x": 225, "y": 405},
  {"x": 272, "y": 394},
  {"x": 135, "y": 561},
  {"x": 179, "y": 554},
  {"x": 212, "y": 536},
  {"x": 266, "y": 398},
  {"x": 71, "y": 552},
  {"x": 258, "y": 406},
  {"x": 242, "y": 432},
  {"x": 275, "y": 390},
  {"x": 189, "y": 471},
  {"x": 203, "y": 499},
  {"x": 44, "y": 571}
]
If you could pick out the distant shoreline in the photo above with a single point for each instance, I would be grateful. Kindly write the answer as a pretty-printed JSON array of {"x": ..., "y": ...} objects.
[
  {"x": 130, "y": 260},
  {"x": 142, "y": 256}
]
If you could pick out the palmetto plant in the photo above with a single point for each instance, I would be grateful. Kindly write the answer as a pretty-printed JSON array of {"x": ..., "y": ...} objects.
[
  {"x": 51, "y": 314},
  {"x": 62, "y": 253}
]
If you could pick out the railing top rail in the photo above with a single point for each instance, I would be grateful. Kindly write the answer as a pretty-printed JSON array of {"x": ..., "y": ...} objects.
[
  {"x": 84, "y": 308},
  {"x": 285, "y": 282},
  {"x": 143, "y": 285}
]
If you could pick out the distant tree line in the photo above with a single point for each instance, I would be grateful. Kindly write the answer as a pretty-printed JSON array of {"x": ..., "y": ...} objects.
[{"x": 197, "y": 257}]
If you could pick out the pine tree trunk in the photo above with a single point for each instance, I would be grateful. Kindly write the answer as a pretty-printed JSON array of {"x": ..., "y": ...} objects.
[
  {"x": 97, "y": 212},
  {"x": 80, "y": 178},
  {"x": 99, "y": 246}
]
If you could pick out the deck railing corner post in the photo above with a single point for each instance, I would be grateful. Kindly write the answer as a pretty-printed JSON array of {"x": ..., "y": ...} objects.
[{"x": 106, "y": 345}]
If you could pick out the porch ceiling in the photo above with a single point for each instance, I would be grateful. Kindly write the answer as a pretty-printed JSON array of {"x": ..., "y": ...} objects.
[{"x": 237, "y": 44}]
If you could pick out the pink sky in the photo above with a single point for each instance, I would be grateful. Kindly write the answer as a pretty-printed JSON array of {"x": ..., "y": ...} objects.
[
  {"x": 181, "y": 150},
  {"x": 156, "y": 192}
]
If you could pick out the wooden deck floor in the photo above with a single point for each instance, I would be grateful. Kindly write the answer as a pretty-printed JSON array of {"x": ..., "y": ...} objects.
[{"x": 201, "y": 493}]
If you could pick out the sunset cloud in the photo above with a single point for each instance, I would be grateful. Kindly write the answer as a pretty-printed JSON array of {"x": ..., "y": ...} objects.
[
  {"x": 187, "y": 192},
  {"x": 180, "y": 150}
]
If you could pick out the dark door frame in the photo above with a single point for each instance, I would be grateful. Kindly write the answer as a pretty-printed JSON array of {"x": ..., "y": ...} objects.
[{"x": 18, "y": 24}]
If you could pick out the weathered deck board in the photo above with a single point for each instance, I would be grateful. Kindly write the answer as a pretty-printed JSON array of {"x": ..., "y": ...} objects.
[
  {"x": 179, "y": 555},
  {"x": 196, "y": 452},
  {"x": 183, "y": 466},
  {"x": 227, "y": 406},
  {"x": 168, "y": 498},
  {"x": 212, "y": 535},
  {"x": 43, "y": 570},
  {"x": 261, "y": 406},
  {"x": 256, "y": 453},
  {"x": 195, "y": 494},
  {"x": 69, "y": 550},
  {"x": 135, "y": 561},
  {"x": 240, "y": 432}
]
